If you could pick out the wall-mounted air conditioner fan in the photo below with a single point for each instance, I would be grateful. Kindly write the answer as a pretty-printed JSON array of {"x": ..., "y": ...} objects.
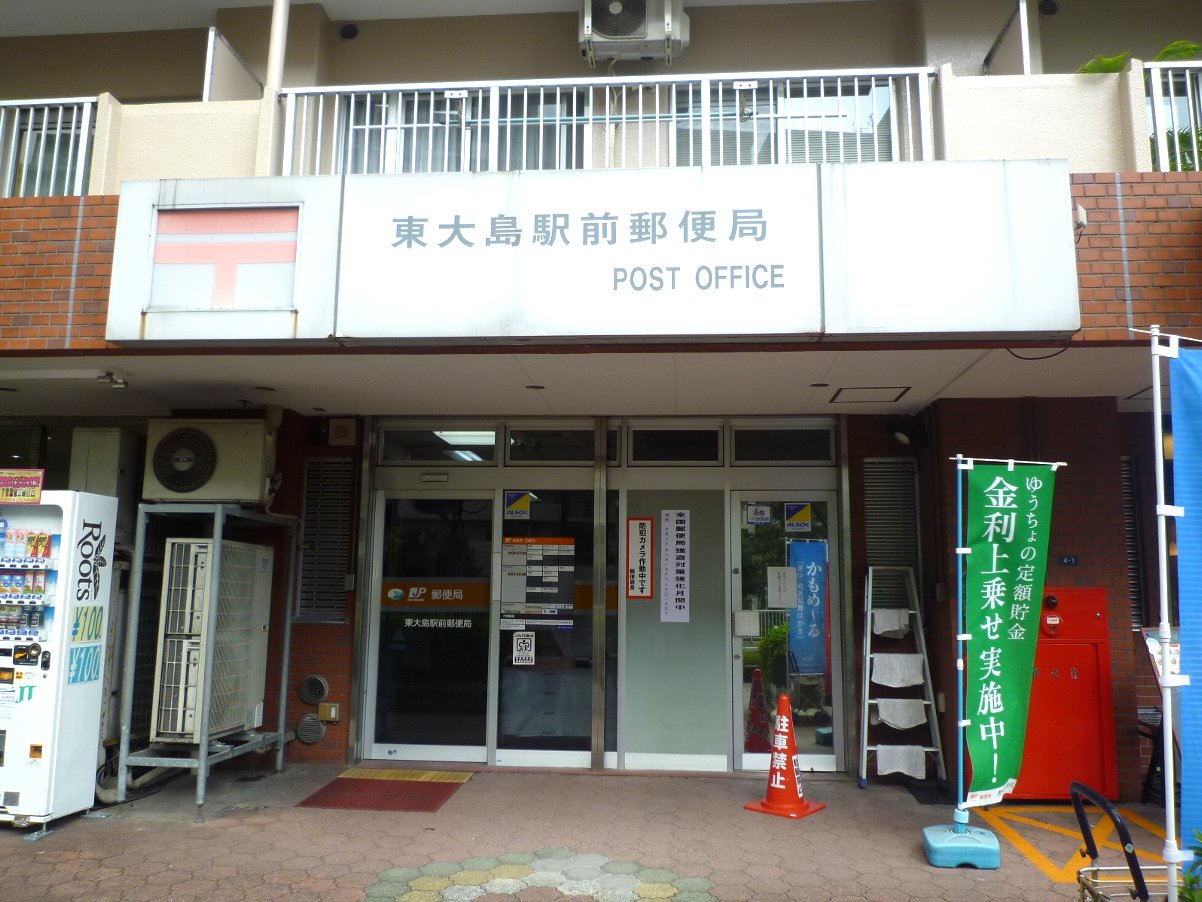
[
  {"x": 208, "y": 460},
  {"x": 633, "y": 29}
]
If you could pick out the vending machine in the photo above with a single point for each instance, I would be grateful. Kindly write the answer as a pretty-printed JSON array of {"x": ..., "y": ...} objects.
[{"x": 55, "y": 576}]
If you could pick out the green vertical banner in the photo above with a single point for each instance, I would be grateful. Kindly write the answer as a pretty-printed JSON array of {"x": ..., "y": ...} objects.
[{"x": 1008, "y": 513}]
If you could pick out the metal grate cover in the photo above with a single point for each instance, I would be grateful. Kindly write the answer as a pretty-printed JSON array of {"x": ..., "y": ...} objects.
[
  {"x": 313, "y": 689},
  {"x": 328, "y": 516},
  {"x": 184, "y": 460},
  {"x": 620, "y": 18},
  {"x": 309, "y": 729},
  {"x": 891, "y": 523}
]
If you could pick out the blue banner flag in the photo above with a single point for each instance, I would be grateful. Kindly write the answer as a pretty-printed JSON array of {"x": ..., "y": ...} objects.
[
  {"x": 1185, "y": 375},
  {"x": 807, "y": 618}
]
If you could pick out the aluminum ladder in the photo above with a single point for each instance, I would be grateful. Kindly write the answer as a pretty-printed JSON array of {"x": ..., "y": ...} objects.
[{"x": 894, "y": 588}]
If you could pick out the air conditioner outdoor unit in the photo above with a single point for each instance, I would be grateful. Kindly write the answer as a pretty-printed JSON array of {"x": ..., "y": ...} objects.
[
  {"x": 633, "y": 30},
  {"x": 209, "y": 460},
  {"x": 230, "y": 609}
]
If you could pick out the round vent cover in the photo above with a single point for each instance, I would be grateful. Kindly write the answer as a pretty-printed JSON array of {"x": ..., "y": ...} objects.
[
  {"x": 184, "y": 460},
  {"x": 313, "y": 689},
  {"x": 309, "y": 729},
  {"x": 619, "y": 18}
]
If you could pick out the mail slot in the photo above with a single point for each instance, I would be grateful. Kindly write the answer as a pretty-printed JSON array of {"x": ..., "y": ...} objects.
[{"x": 1070, "y": 724}]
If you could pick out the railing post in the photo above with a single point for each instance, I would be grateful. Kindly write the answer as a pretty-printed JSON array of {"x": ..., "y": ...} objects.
[
  {"x": 705, "y": 123},
  {"x": 289, "y": 133},
  {"x": 494, "y": 131},
  {"x": 84, "y": 149},
  {"x": 925, "y": 125},
  {"x": 1159, "y": 134}
]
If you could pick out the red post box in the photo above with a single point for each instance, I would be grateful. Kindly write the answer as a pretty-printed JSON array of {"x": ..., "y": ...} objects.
[{"x": 1070, "y": 725}]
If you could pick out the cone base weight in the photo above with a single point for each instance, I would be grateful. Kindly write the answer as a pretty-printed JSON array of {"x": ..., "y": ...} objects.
[
  {"x": 973, "y": 847},
  {"x": 803, "y": 808}
]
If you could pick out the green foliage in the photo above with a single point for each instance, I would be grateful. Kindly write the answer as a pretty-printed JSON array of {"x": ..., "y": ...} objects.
[
  {"x": 1174, "y": 52},
  {"x": 1100, "y": 64},
  {"x": 1179, "y": 50},
  {"x": 774, "y": 650},
  {"x": 1190, "y": 889},
  {"x": 1182, "y": 149}
]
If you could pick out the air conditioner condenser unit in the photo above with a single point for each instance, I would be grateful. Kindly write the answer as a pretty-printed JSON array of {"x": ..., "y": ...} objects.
[
  {"x": 633, "y": 30},
  {"x": 209, "y": 460}
]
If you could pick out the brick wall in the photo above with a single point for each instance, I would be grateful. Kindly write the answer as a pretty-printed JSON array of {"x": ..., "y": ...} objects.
[
  {"x": 326, "y": 649},
  {"x": 1139, "y": 260},
  {"x": 1087, "y": 522},
  {"x": 56, "y": 259}
]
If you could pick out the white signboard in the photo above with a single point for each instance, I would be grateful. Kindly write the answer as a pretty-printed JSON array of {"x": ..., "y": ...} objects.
[
  {"x": 595, "y": 253},
  {"x": 674, "y": 566},
  {"x": 881, "y": 249},
  {"x": 949, "y": 247}
]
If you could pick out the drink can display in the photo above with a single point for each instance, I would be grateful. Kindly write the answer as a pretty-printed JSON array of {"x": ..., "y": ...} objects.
[
  {"x": 39, "y": 583},
  {"x": 10, "y": 542},
  {"x": 5, "y": 583},
  {"x": 43, "y": 545}
]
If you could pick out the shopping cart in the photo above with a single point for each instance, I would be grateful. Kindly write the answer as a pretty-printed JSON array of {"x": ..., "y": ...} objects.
[{"x": 1108, "y": 883}]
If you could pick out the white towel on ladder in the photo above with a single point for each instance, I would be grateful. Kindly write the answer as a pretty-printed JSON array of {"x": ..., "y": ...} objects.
[
  {"x": 902, "y": 713},
  {"x": 891, "y": 622},
  {"x": 904, "y": 759},
  {"x": 897, "y": 670}
]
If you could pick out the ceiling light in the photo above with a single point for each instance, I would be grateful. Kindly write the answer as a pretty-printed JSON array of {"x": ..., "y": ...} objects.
[{"x": 467, "y": 437}]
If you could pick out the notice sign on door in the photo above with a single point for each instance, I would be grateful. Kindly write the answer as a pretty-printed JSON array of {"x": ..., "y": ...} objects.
[
  {"x": 538, "y": 582},
  {"x": 640, "y": 583},
  {"x": 674, "y": 567},
  {"x": 523, "y": 649}
]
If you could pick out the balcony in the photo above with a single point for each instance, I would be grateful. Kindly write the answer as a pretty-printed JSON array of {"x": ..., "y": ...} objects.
[
  {"x": 730, "y": 120},
  {"x": 89, "y": 145}
]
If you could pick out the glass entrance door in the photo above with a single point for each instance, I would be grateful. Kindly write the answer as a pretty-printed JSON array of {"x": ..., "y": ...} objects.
[
  {"x": 785, "y": 591},
  {"x": 545, "y": 685},
  {"x": 431, "y": 668}
]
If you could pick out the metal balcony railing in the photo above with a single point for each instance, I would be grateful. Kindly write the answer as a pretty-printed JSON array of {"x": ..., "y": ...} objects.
[
  {"x": 1174, "y": 92},
  {"x": 842, "y": 116},
  {"x": 45, "y": 146}
]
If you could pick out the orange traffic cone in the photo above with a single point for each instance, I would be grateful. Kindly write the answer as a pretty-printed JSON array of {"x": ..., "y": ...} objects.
[
  {"x": 757, "y": 738},
  {"x": 784, "y": 797}
]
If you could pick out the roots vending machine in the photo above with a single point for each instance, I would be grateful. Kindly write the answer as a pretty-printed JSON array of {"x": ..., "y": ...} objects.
[{"x": 55, "y": 575}]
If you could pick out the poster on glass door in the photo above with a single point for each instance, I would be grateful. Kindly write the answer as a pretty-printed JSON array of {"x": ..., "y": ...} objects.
[
  {"x": 538, "y": 582},
  {"x": 674, "y": 566}
]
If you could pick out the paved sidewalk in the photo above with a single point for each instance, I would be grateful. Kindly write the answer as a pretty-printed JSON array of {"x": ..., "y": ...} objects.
[{"x": 511, "y": 836}]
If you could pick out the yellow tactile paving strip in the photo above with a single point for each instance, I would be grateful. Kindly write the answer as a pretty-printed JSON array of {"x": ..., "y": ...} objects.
[{"x": 418, "y": 776}]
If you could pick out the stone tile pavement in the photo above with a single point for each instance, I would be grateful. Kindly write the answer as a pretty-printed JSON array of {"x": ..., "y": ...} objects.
[{"x": 506, "y": 835}]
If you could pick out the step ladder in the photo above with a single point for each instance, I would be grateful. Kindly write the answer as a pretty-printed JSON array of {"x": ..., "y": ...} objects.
[{"x": 896, "y": 669}]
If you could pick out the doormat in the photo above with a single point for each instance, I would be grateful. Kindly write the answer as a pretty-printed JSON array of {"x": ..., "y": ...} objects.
[{"x": 376, "y": 789}]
